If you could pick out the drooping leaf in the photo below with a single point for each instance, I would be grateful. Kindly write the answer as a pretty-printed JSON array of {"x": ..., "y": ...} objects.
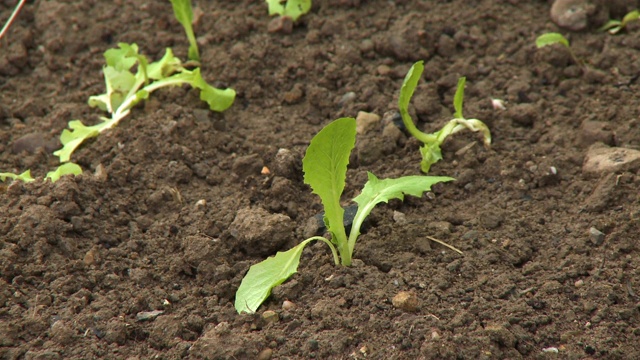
[
  {"x": 25, "y": 176},
  {"x": 165, "y": 67},
  {"x": 184, "y": 14},
  {"x": 256, "y": 285},
  {"x": 325, "y": 170},
  {"x": 74, "y": 137},
  {"x": 64, "y": 169},
  {"x": 431, "y": 154}
]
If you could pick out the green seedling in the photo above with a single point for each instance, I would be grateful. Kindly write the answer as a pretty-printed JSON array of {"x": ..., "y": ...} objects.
[
  {"x": 325, "y": 168},
  {"x": 557, "y": 38},
  {"x": 615, "y": 26},
  {"x": 126, "y": 88},
  {"x": 55, "y": 175},
  {"x": 290, "y": 8},
  {"x": 184, "y": 14},
  {"x": 430, "y": 150}
]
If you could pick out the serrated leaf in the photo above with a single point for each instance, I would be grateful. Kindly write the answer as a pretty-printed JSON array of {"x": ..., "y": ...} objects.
[
  {"x": 325, "y": 170},
  {"x": 184, "y": 14},
  {"x": 25, "y": 176},
  {"x": 217, "y": 99},
  {"x": 376, "y": 191},
  {"x": 431, "y": 154},
  {"x": 550, "y": 39},
  {"x": 256, "y": 285},
  {"x": 64, "y": 169},
  {"x": 122, "y": 58}
]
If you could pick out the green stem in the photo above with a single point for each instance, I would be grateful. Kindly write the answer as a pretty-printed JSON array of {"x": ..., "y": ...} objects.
[
  {"x": 336, "y": 258},
  {"x": 413, "y": 130}
]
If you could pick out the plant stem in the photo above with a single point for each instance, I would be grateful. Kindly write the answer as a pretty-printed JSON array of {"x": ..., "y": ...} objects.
[
  {"x": 336, "y": 258},
  {"x": 12, "y": 18}
]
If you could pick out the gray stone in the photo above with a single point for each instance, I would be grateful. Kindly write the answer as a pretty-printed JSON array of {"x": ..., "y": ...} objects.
[{"x": 602, "y": 159}]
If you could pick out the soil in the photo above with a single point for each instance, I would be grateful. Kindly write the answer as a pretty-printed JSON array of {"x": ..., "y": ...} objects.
[{"x": 140, "y": 256}]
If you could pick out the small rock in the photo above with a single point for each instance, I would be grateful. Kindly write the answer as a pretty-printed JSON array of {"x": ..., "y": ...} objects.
[
  {"x": 245, "y": 166},
  {"x": 576, "y": 15},
  {"x": 270, "y": 317},
  {"x": 148, "y": 315},
  {"x": 392, "y": 134},
  {"x": 399, "y": 218},
  {"x": 366, "y": 122},
  {"x": 288, "y": 305},
  {"x": 265, "y": 354},
  {"x": 283, "y": 24},
  {"x": 596, "y": 236},
  {"x": 501, "y": 335},
  {"x": 30, "y": 143},
  {"x": 579, "y": 283},
  {"x": 602, "y": 159},
  {"x": 62, "y": 333},
  {"x": 259, "y": 232},
  {"x": 595, "y": 131},
  {"x": 347, "y": 98},
  {"x": 406, "y": 300},
  {"x": 524, "y": 114},
  {"x": 287, "y": 164}
]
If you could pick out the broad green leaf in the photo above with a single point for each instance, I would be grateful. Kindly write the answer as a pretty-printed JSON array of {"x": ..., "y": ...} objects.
[
  {"x": 325, "y": 170},
  {"x": 631, "y": 16},
  {"x": 25, "y": 176},
  {"x": 550, "y": 39},
  {"x": 256, "y": 285},
  {"x": 184, "y": 14},
  {"x": 64, "y": 169},
  {"x": 376, "y": 191},
  {"x": 122, "y": 58},
  {"x": 458, "y": 98},
  {"x": 293, "y": 8}
]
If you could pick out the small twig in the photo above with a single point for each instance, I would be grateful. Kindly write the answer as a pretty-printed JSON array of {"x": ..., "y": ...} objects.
[
  {"x": 12, "y": 18},
  {"x": 444, "y": 244}
]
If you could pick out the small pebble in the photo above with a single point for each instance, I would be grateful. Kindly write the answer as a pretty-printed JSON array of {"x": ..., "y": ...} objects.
[
  {"x": 265, "y": 354},
  {"x": 596, "y": 236},
  {"x": 148, "y": 315},
  {"x": 270, "y": 316},
  {"x": 578, "y": 283},
  {"x": 406, "y": 300},
  {"x": 288, "y": 305},
  {"x": 366, "y": 122}
]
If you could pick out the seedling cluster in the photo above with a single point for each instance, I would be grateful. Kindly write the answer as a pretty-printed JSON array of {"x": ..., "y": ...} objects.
[
  {"x": 125, "y": 88},
  {"x": 289, "y": 8},
  {"x": 552, "y": 38},
  {"x": 615, "y": 26}
]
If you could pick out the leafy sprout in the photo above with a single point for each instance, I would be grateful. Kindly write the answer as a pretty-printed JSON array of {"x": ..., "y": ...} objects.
[
  {"x": 184, "y": 14},
  {"x": 126, "y": 88},
  {"x": 325, "y": 168},
  {"x": 557, "y": 38},
  {"x": 55, "y": 175},
  {"x": 290, "y": 8},
  {"x": 615, "y": 26},
  {"x": 430, "y": 150}
]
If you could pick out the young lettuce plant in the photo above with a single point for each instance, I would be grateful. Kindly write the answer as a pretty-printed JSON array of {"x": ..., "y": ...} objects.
[
  {"x": 290, "y": 8},
  {"x": 126, "y": 88},
  {"x": 325, "y": 168},
  {"x": 557, "y": 38},
  {"x": 55, "y": 175},
  {"x": 430, "y": 150},
  {"x": 615, "y": 26}
]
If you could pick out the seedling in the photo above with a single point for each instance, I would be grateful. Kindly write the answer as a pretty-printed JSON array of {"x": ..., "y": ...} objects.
[
  {"x": 557, "y": 38},
  {"x": 290, "y": 8},
  {"x": 184, "y": 14},
  {"x": 55, "y": 175},
  {"x": 430, "y": 150},
  {"x": 615, "y": 26},
  {"x": 325, "y": 168},
  {"x": 125, "y": 89}
]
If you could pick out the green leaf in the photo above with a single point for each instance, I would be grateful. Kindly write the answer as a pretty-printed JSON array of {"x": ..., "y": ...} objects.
[
  {"x": 550, "y": 39},
  {"x": 293, "y": 8},
  {"x": 376, "y": 191},
  {"x": 325, "y": 170},
  {"x": 631, "y": 16},
  {"x": 25, "y": 176},
  {"x": 165, "y": 67},
  {"x": 406, "y": 93},
  {"x": 458, "y": 98},
  {"x": 71, "y": 139},
  {"x": 431, "y": 154},
  {"x": 256, "y": 285},
  {"x": 184, "y": 14},
  {"x": 64, "y": 169}
]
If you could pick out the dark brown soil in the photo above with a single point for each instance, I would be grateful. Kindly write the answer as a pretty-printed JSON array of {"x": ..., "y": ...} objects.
[{"x": 150, "y": 224}]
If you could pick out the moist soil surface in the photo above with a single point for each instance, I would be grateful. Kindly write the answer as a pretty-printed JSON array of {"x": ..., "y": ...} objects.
[{"x": 140, "y": 256}]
